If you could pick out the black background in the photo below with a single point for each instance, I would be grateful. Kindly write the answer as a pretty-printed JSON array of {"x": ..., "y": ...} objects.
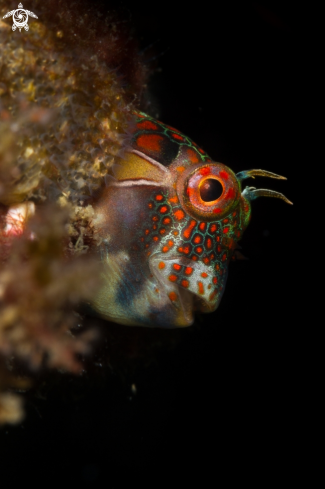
[{"x": 225, "y": 399}]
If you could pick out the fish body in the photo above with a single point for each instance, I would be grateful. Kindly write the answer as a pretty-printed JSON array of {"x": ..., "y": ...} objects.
[{"x": 168, "y": 224}]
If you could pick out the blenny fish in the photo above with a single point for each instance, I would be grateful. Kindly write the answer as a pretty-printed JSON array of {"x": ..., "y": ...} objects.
[{"x": 168, "y": 222}]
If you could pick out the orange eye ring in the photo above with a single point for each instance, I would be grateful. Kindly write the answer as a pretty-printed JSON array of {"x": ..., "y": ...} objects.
[{"x": 189, "y": 190}]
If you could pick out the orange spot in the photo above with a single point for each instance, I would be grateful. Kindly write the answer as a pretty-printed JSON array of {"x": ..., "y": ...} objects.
[
  {"x": 194, "y": 258},
  {"x": 180, "y": 169},
  {"x": 209, "y": 243},
  {"x": 166, "y": 220},
  {"x": 185, "y": 249},
  {"x": 172, "y": 278},
  {"x": 202, "y": 226},
  {"x": 197, "y": 239},
  {"x": 205, "y": 170},
  {"x": 150, "y": 205},
  {"x": 188, "y": 270},
  {"x": 213, "y": 228},
  {"x": 201, "y": 151},
  {"x": 159, "y": 197},
  {"x": 157, "y": 290},
  {"x": 150, "y": 141},
  {"x": 201, "y": 288},
  {"x": 161, "y": 265},
  {"x": 224, "y": 257},
  {"x": 177, "y": 136},
  {"x": 189, "y": 229},
  {"x": 147, "y": 231},
  {"x": 175, "y": 233},
  {"x": 154, "y": 226},
  {"x": 176, "y": 266},
  {"x": 162, "y": 231},
  {"x": 173, "y": 296},
  {"x": 141, "y": 239},
  {"x": 193, "y": 157},
  {"x": 199, "y": 249},
  {"x": 225, "y": 231},
  {"x": 179, "y": 214},
  {"x": 215, "y": 280},
  {"x": 155, "y": 218},
  {"x": 217, "y": 266},
  {"x": 219, "y": 249},
  {"x": 147, "y": 246},
  {"x": 185, "y": 283},
  {"x": 204, "y": 275},
  {"x": 155, "y": 238},
  {"x": 217, "y": 210},
  {"x": 147, "y": 125},
  {"x": 206, "y": 260},
  {"x": 211, "y": 257},
  {"x": 170, "y": 243},
  {"x": 163, "y": 209},
  {"x": 149, "y": 253},
  {"x": 174, "y": 200},
  {"x": 165, "y": 249},
  {"x": 223, "y": 174},
  {"x": 218, "y": 239},
  {"x": 225, "y": 221}
]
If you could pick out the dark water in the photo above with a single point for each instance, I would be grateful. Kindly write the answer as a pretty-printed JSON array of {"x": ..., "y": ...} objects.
[{"x": 221, "y": 398}]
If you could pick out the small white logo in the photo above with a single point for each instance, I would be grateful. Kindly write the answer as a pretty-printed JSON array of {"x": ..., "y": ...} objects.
[{"x": 20, "y": 18}]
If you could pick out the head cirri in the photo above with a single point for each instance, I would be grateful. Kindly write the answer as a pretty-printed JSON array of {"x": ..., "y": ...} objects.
[{"x": 169, "y": 221}]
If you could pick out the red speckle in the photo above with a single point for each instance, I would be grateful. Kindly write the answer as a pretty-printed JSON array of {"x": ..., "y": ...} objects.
[
  {"x": 188, "y": 270},
  {"x": 197, "y": 239},
  {"x": 174, "y": 199},
  {"x": 179, "y": 214},
  {"x": 162, "y": 231},
  {"x": 215, "y": 280},
  {"x": 206, "y": 260},
  {"x": 202, "y": 226},
  {"x": 188, "y": 231},
  {"x": 150, "y": 141},
  {"x": 201, "y": 288},
  {"x": 199, "y": 249},
  {"x": 166, "y": 220},
  {"x": 165, "y": 249},
  {"x": 204, "y": 275},
  {"x": 206, "y": 170},
  {"x": 223, "y": 174},
  {"x": 172, "y": 278},
  {"x": 176, "y": 266},
  {"x": 161, "y": 265},
  {"x": 163, "y": 209},
  {"x": 226, "y": 230},
  {"x": 192, "y": 155},
  {"x": 148, "y": 125},
  {"x": 185, "y": 283},
  {"x": 230, "y": 194},
  {"x": 155, "y": 238},
  {"x": 170, "y": 243},
  {"x": 173, "y": 296},
  {"x": 159, "y": 197},
  {"x": 177, "y": 136},
  {"x": 213, "y": 228},
  {"x": 217, "y": 210},
  {"x": 209, "y": 243},
  {"x": 212, "y": 295}
]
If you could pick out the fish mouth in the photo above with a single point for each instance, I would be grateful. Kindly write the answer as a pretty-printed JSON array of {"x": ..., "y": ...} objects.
[{"x": 191, "y": 286}]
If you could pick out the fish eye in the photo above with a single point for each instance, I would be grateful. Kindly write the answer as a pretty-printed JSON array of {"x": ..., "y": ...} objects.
[{"x": 208, "y": 191}]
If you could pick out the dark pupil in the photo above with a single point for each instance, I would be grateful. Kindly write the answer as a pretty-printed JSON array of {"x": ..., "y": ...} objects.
[{"x": 210, "y": 190}]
